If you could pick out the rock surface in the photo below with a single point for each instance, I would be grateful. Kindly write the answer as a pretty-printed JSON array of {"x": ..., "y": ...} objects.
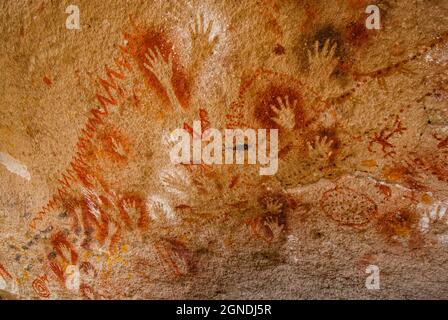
[{"x": 91, "y": 207}]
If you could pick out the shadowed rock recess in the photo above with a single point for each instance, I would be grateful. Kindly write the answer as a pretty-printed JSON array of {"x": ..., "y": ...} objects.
[{"x": 92, "y": 207}]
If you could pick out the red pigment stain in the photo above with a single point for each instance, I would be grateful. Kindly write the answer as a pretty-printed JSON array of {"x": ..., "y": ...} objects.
[
  {"x": 176, "y": 257},
  {"x": 185, "y": 254},
  {"x": 268, "y": 98},
  {"x": 279, "y": 50},
  {"x": 234, "y": 181},
  {"x": 382, "y": 138},
  {"x": 3, "y": 273},
  {"x": 86, "y": 267},
  {"x": 132, "y": 201},
  {"x": 404, "y": 174},
  {"x": 443, "y": 142},
  {"x": 434, "y": 163},
  {"x": 203, "y": 116},
  {"x": 385, "y": 190},
  {"x": 365, "y": 260},
  {"x": 114, "y": 144},
  {"x": 40, "y": 286},
  {"x": 93, "y": 225},
  {"x": 57, "y": 270},
  {"x": 357, "y": 4},
  {"x": 401, "y": 223},
  {"x": 356, "y": 33},
  {"x": 47, "y": 81},
  {"x": 284, "y": 151},
  {"x": 138, "y": 46},
  {"x": 59, "y": 240}
]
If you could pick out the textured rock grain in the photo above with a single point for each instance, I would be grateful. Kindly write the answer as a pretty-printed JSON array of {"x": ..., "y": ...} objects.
[{"x": 88, "y": 189}]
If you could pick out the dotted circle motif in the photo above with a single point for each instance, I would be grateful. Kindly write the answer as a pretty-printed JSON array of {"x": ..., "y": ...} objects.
[
  {"x": 348, "y": 207},
  {"x": 41, "y": 288}
]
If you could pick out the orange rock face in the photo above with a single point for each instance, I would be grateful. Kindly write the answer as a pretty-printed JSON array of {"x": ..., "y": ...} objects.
[{"x": 93, "y": 207}]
